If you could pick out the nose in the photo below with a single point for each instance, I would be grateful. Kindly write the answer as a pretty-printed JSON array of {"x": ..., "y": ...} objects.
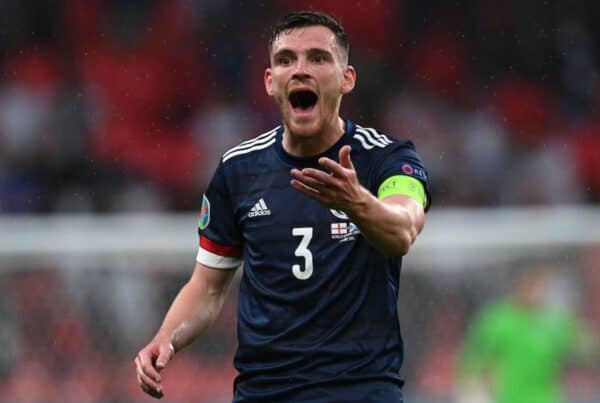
[{"x": 301, "y": 71}]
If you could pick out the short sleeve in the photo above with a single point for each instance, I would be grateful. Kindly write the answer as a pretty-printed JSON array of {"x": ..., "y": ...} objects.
[
  {"x": 401, "y": 158},
  {"x": 220, "y": 244}
]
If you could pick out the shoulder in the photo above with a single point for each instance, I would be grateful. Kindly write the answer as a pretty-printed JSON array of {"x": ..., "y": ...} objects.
[
  {"x": 498, "y": 311},
  {"x": 371, "y": 139},
  {"x": 386, "y": 152},
  {"x": 250, "y": 148}
]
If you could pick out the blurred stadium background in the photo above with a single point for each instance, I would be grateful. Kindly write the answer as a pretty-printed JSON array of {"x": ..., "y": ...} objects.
[{"x": 113, "y": 115}]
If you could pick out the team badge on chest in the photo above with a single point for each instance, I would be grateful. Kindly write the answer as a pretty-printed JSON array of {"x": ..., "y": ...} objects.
[{"x": 344, "y": 231}]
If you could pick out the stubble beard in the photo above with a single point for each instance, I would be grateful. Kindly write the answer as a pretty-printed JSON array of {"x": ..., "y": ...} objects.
[
  {"x": 298, "y": 130},
  {"x": 314, "y": 128}
]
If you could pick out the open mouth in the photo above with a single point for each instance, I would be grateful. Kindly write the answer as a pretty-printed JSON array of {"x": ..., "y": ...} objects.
[{"x": 303, "y": 99}]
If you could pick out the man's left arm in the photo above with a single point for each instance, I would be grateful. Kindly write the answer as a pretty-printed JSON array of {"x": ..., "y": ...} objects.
[{"x": 390, "y": 224}]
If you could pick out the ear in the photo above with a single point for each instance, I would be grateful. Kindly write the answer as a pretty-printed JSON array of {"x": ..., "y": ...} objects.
[
  {"x": 268, "y": 81},
  {"x": 349, "y": 80}
]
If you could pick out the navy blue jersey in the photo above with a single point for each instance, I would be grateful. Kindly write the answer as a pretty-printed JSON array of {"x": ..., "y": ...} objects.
[{"x": 317, "y": 303}]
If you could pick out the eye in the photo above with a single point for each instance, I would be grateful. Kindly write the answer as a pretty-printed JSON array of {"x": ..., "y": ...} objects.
[
  {"x": 284, "y": 60},
  {"x": 319, "y": 59}
]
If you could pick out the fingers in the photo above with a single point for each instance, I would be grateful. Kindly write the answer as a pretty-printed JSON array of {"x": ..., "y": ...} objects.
[
  {"x": 315, "y": 178},
  {"x": 155, "y": 394},
  {"x": 148, "y": 378},
  {"x": 308, "y": 191},
  {"x": 345, "y": 164},
  {"x": 335, "y": 168},
  {"x": 143, "y": 362},
  {"x": 333, "y": 189},
  {"x": 345, "y": 160},
  {"x": 296, "y": 184},
  {"x": 149, "y": 388},
  {"x": 166, "y": 352}
]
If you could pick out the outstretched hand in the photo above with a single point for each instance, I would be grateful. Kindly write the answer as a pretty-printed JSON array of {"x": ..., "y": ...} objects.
[
  {"x": 338, "y": 189},
  {"x": 149, "y": 362}
]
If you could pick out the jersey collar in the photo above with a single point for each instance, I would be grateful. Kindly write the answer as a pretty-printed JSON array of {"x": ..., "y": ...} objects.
[{"x": 303, "y": 162}]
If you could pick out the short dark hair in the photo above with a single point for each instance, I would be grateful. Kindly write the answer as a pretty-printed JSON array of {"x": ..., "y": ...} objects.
[{"x": 299, "y": 19}]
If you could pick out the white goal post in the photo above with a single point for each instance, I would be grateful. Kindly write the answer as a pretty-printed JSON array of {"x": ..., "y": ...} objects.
[{"x": 453, "y": 239}]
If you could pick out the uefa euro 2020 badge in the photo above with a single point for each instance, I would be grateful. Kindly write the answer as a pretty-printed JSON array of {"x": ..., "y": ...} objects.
[{"x": 204, "y": 213}]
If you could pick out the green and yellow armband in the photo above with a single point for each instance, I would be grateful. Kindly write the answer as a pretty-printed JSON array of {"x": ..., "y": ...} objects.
[{"x": 403, "y": 185}]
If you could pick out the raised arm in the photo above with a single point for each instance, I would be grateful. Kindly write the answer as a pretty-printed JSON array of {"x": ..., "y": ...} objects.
[
  {"x": 193, "y": 310},
  {"x": 391, "y": 224}
]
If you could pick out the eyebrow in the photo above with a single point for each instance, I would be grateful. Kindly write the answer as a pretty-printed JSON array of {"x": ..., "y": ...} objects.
[{"x": 286, "y": 51}]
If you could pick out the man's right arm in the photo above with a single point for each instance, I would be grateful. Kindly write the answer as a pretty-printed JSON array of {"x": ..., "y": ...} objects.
[
  {"x": 193, "y": 310},
  {"x": 196, "y": 306}
]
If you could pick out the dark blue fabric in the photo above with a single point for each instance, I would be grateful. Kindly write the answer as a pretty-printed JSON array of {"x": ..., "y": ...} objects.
[
  {"x": 335, "y": 335},
  {"x": 334, "y": 392}
]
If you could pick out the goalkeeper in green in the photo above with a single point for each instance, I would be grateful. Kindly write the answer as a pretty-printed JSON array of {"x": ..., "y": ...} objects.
[{"x": 517, "y": 346}]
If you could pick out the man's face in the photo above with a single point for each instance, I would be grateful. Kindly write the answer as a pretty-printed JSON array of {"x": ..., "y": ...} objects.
[{"x": 307, "y": 78}]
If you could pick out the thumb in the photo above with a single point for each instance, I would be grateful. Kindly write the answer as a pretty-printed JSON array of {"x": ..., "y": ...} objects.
[
  {"x": 166, "y": 351},
  {"x": 345, "y": 160}
]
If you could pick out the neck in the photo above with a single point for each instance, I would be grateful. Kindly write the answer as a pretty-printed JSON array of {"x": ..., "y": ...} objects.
[{"x": 308, "y": 146}]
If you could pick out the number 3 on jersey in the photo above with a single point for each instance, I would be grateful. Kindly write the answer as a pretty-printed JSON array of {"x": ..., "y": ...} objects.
[{"x": 302, "y": 251}]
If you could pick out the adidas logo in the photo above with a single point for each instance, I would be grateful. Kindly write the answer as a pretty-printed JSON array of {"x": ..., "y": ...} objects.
[{"x": 260, "y": 208}]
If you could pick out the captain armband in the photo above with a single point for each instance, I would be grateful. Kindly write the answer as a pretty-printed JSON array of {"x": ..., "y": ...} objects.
[{"x": 403, "y": 185}]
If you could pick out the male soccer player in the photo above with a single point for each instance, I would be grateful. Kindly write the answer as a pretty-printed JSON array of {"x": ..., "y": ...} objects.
[
  {"x": 319, "y": 210},
  {"x": 518, "y": 344}
]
